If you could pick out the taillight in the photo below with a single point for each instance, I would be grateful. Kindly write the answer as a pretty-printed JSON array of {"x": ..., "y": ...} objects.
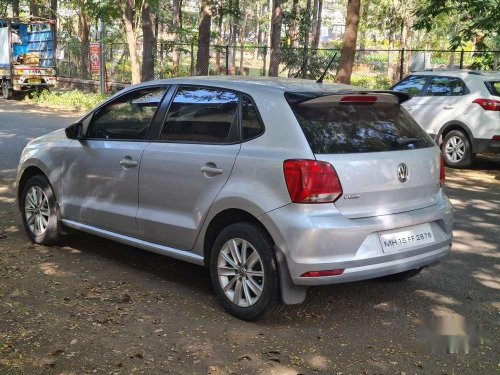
[
  {"x": 495, "y": 138},
  {"x": 442, "y": 174},
  {"x": 311, "y": 181},
  {"x": 488, "y": 104}
]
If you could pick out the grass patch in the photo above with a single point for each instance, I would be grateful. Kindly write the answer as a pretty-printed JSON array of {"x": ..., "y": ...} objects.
[{"x": 75, "y": 99}]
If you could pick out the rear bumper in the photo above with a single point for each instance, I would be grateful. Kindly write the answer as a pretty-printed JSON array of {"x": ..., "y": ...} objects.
[
  {"x": 319, "y": 238},
  {"x": 486, "y": 145}
]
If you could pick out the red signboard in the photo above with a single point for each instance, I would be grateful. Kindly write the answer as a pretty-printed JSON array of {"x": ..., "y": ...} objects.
[{"x": 95, "y": 57}]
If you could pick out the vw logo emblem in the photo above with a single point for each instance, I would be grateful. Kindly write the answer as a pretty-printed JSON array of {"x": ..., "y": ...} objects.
[{"x": 403, "y": 172}]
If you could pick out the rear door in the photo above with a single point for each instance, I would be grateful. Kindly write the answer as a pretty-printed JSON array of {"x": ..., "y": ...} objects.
[
  {"x": 385, "y": 162},
  {"x": 182, "y": 172},
  {"x": 441, "y": 103}
]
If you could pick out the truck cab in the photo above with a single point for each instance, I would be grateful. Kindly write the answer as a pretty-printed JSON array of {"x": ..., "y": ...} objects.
[{"x": 27, "y": 51}]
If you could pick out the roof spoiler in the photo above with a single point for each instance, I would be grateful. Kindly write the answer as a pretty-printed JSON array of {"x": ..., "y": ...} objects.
[{"x": 303, "y": 97}]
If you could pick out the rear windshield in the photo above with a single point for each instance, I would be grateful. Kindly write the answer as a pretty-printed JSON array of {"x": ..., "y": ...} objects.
[
  {"x": 341, "y": 128},
  {"x": 493, "y": 87}
]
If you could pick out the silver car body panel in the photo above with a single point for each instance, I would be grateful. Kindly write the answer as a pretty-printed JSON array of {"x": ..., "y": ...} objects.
[{"x": 166, "y": 203}]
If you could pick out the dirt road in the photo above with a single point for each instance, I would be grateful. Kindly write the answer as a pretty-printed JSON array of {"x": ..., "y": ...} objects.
[{"x": 94, "y": 306}]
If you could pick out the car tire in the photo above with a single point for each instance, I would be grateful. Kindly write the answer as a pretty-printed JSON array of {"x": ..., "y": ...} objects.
[
  {"x": 40, "y": 212},
  {"x": 401, "y": 276},
  {"x": 457, "y": 150},
  {"x": 242, "y": 275},
  {"x": 6, "y": 90}
]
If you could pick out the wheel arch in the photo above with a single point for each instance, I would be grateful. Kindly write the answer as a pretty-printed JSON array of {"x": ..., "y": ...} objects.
[
  {"x": 455, "y": 125},
  {"x": 221, "y": 220},
  {"x": 27, "y": 173}
]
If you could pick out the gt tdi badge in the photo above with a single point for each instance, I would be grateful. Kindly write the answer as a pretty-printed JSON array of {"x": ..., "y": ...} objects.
[{"x": 403, "y": 172}]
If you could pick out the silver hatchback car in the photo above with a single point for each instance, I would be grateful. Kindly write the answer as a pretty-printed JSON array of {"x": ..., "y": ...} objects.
[{"x": 274, "y": 184}]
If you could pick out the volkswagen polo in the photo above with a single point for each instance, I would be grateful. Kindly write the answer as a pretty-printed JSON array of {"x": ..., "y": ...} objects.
[{"x": 275, "y": 185}]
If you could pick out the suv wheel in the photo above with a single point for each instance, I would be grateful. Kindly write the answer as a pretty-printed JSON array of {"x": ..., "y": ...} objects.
[
  {"x": 244, "y": 272},
  {"x": 457, "y": 150},
  {"x": 39, "y": 211}
]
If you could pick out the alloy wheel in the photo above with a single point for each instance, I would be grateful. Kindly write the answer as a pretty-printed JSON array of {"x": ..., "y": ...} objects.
[
  {"x": 240, "y": 272},
  {"x": 455, "y": 149},
  {"x": 36, "y": 210}
]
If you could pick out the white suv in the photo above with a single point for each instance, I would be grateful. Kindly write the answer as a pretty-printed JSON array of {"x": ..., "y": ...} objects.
[{"x": 459, "y": 108}]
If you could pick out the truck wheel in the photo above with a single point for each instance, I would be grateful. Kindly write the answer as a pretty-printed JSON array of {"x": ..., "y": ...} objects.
[{"x": 6, "y": 90}]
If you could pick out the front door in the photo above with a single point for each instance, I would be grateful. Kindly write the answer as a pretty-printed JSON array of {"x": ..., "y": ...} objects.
[
  {"x": 100, "y": 177},
  {"x": 183, "y": 172}
]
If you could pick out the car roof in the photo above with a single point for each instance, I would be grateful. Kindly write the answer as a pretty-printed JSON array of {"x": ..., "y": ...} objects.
[
  {"x": 256, "y": 84},
  {"x": 461, "y": 73}
]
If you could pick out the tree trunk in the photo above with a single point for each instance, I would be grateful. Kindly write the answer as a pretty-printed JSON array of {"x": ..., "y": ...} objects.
[
  {"x": 314, "y": 23},
  {"x": 128, "y": 14},
  {"x": 34, "y": 8},
  {"x": 348, "y": 51},
  {"x": 305, "y": 52},
  {"x": 176, "y": 24},
  {"x": 294, "y": 29},
  {"x": 148, "y": 41},
  {"x": 243, "y": 31},
  {"x": 83, "y": 37},
  {"x": 15, "y": 8},
  {"x": 317, "y": 34},
  {"x": 220, "y": 38},
  {"x": 203, "y": 54},
  {"x": 276, "y": 21}
]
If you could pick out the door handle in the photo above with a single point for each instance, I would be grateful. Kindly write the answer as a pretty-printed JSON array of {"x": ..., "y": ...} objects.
[
  {"x": 211, "y": 170},
  {"x": 448, "y": 107},
  {"x": 128, "y": 163}
]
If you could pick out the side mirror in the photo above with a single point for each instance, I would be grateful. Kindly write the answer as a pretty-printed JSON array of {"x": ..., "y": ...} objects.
[{"x": 75, "y": 131}]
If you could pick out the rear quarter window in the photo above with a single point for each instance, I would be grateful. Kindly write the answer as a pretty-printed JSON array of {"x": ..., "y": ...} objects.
[
  {"x": 339, "y": 128},
  {"x": 493, "y": 87}
]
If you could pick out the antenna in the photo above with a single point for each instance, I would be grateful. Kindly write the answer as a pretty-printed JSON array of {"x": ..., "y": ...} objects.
[{"x": 320, "y": 79}]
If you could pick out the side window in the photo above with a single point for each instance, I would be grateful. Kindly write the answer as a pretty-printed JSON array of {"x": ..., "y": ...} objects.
[
  {"x": 128, "y": 117},
  {"x": 200, "y": 115},
  {"x": 412, "y": 85},
  {"x": 446, "y": 86},
  {"x": 250, "y": 122}
]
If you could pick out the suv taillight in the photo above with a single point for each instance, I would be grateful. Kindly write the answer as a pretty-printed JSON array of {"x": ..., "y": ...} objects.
[
  {"x": 442, "y": 174},
  {"x": 488, "y": 104},
  {"x": 311, "y": 181}
]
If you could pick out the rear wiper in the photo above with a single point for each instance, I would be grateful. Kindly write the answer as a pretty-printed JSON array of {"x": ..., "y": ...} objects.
[{"x": 407, "y": 141}]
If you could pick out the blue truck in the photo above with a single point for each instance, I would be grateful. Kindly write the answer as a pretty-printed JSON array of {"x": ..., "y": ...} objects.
[{"x": 27, "y": 49}]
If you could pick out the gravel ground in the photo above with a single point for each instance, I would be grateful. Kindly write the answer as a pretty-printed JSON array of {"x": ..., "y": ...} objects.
[{"x": 94, "y": 306}]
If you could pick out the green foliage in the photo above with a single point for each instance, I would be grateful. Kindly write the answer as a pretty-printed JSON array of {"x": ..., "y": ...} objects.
[
  {"x": 70, "y": 99},
  {"x": 479, "y": 19},
  {"x": 382, "y": 83}
]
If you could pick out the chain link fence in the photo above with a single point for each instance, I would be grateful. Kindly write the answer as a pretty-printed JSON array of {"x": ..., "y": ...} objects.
[{"x": 377, "y": 68}]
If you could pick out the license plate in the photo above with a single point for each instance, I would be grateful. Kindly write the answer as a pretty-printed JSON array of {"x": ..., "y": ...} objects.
[
  {"x": 405, "y": 238},
  {"x": 34, "y": 80}
]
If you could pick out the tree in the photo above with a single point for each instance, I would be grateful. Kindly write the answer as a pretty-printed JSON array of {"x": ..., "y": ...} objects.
[
  {"x": 203, "y": 53},
  {"x": 477, "y": 18},
  {"x": 317, "y": 29},
  {"x": 348, "y": 51},
  {"x": 15, "y": 8},
  {"x": 276, "y": 21},
  {"x": 128, "y": 19},
  {"x": 176, "y": 25},
  {"x": 149, "y": 30}
]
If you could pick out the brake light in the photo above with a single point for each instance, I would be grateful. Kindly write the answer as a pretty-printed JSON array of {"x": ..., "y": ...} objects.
[
  {"x": 311, "y": 181},
  {"x": 323, "y": 273},
  {"x": 488, "y": 104},
  {"x": 359, "y": 99},
  {"x": 442, "y": 174}
]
